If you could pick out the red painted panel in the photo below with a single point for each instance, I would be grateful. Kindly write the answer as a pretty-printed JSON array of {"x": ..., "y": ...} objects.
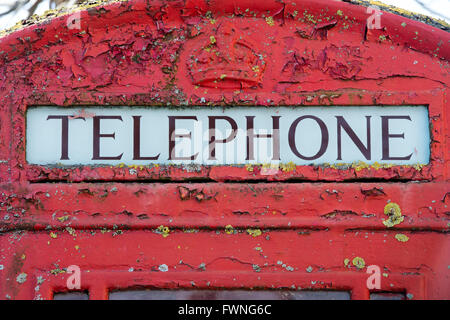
[
  {"x": 215, "y": 205},
  {"x": 205, "y": 259}
]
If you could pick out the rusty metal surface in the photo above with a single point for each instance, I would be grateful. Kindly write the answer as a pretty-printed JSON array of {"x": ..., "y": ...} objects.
[{"x": 306, "y": 227}]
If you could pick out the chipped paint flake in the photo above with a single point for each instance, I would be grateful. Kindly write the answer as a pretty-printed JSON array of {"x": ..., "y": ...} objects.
[
  {"x": 21, "y": 278},
  {"x": 163, "y": 268}
]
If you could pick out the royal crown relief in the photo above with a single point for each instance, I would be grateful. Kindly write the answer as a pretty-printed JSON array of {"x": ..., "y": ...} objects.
[{"x": 227, "y": 59}]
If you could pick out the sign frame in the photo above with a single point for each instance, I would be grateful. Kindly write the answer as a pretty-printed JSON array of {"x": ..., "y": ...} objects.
[{"x": 363, "y": 171}]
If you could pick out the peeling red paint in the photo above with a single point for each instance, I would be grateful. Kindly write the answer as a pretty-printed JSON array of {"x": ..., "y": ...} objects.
[{"x": 214, "y": 53}]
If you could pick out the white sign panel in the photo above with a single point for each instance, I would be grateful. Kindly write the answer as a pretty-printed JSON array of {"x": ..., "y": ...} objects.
[{"x": 230, "y": 136}]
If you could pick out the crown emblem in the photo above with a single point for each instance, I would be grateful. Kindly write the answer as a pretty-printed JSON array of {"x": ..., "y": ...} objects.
[{"x": 226, "y": 60}]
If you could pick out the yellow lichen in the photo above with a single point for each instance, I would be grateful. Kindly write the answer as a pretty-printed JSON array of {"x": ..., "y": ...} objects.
[
  {"x": 254, "y": 232},
  {"x": 360, "y": 165},
  {"x": 190, "y": 230},
  {"x": 359, "y": 262},
  {"x": 270, "y": 21},
  {"x": 229, "y": 229},
  {"x": 288, "y": 167},
  {"x": 53, "y": 235},
  {"x": 401, "y": 237},
  {"x": 164, "y": 231},
  {"x": 63, "y": 218},
  {"x": 346, "y": 261},
  {"x": 419, "y": 166},
  {"x": 392, "y": 210},
  {"x": 71, "y": 231},
  {"x": 57, "y": 271}
]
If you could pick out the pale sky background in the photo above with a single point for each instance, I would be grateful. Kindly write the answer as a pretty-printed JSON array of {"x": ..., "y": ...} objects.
[{"x": 438, "y": 9}]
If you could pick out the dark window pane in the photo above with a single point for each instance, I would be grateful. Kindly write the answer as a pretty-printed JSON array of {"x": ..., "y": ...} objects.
[
  {"x": 227, "y": 295},
  {"x": 387, "y": 296},
  {"x": 71, "y": 296}
]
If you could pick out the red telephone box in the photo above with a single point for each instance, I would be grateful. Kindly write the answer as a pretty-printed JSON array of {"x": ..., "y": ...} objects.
[{"x": 93, "y": 184}]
